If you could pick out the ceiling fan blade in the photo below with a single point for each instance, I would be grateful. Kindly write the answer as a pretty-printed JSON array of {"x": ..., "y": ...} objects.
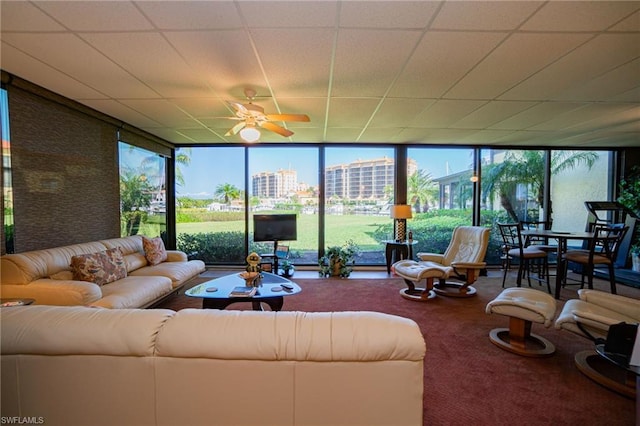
[
  {"x": 235, "y": 129},
  {"x": 288, "y": 117},
  {"x": 238, "y": 107},
  {"x": 277, "y": 129}
]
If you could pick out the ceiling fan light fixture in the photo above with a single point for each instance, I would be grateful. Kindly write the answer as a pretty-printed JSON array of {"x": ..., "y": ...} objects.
[{"x": 250, "y": 134}]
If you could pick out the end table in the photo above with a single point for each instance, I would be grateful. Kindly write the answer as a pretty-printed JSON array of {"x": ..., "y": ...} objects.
[{"x": 398, "y": 250}]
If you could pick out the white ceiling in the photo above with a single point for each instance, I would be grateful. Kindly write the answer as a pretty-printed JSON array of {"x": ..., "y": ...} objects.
[{"x": 534, "y": 73}]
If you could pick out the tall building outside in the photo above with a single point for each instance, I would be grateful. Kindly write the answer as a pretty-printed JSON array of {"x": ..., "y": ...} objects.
[
  {"x": 363, "y": 179},
  {"x": 278, "y": 184}
]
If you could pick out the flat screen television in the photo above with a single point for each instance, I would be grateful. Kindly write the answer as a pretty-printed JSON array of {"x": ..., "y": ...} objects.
[{"x": 274, "y": 227}]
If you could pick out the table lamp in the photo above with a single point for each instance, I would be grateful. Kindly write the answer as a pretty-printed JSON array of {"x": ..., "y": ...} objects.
[{"x": 401, "y": 212}]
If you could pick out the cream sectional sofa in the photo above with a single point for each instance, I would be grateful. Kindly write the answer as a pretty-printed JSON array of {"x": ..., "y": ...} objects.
[
  {"x": 45, "y": 275},
  {"x": 82, "y": 366}
]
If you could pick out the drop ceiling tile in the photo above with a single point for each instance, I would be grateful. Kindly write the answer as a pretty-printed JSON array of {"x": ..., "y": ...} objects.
[
  {"x": 380, "y": 134},
  {"x": 223, "y": 59},
  {"x": 28, "y": 68},
  {"x": 96, "y": 15},
  {"x": 350, "y": 112},
  {"x": 581, "y": 116},
  {"x": 397, "y": 112},
  {"x": 202, "y": 135},
  {"x": 490, "y": 114},
  {"x": 440, "y": 60},
  {"x": 386, "y": 14},
  {"x": 354, "y": 60},
  {"x": 342, "y": 134},
  {"x": 161, "y": 111},
  {"x": 484, "y": 15},
  {"x": 444, "y": 113},
  {"x": 525, "y": 55},
  {"x": 122, "y": 112},
  {"x": 151, "y": 59},
  {"x": 191, "y": 15},
  {"x": 600, "y": 55},
  {"x": 24, "y": 16},
  {"x": 538, "y": 114},
  {"x": 579, "y": 15},
  {"x": 632, "y": 23},
  {"x": 485, "y": 136},
  {"x": 607, "y": 86},
  {"x": 297, "y": 62},
  {"x": 61, "y": 52},
  {"x": 282, "y": 14}
]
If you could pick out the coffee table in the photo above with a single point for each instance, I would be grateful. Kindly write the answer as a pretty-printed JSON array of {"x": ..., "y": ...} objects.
[{"x": 269, "y": 292}]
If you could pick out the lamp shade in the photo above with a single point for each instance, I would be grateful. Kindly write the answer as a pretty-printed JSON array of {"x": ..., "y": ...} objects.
[
  {"x": 401, "y": 211},
  {"x": 250, "y": 134}
]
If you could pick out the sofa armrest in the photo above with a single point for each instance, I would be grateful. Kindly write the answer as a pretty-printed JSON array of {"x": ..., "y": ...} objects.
[
  {"x": 176, "y": 256},
  {"x": 616, "y": 303},
  {"x": 431, "y": 257},
  {"x": 46, "y": 291}
]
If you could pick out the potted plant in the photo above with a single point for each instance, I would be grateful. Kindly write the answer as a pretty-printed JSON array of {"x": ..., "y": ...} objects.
[
  {"x": 635, "y": 256},
  {"x": 630, "y": 198},
  {"x": 338, "y": 260},
  {"x": 287, "y": 268}
]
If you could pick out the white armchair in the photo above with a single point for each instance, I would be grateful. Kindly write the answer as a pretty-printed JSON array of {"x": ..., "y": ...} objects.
[
  {"x": 590, "y": 316},
  {"x": 463, "y": 260}
]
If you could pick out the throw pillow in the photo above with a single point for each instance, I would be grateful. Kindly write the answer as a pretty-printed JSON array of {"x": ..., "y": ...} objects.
[
  {"x": 154, "y": 250},
  {"x": 100, "y": 268}
]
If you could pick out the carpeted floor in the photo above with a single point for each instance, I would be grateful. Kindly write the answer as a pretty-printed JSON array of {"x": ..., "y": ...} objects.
[{"x": 467, "y": 379}]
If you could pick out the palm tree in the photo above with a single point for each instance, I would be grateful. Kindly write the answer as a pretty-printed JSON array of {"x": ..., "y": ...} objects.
[
  {"x": 135, "y": 199},
  {"x": 528, "y": 168},
  {"x": 421, "y": 190},
  {"x": 227, "y": 192}
]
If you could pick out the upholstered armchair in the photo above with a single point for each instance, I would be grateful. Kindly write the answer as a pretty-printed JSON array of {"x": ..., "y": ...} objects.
[
  {"x": 463, "y": 260},
  {"x": 590, "y": 316}
]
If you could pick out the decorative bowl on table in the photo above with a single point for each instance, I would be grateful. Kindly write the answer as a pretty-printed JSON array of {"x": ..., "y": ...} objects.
[{"x": 252, "y": 279}]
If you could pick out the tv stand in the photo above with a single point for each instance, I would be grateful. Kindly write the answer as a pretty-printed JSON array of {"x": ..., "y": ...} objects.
[{"x": 274, "y": 256}]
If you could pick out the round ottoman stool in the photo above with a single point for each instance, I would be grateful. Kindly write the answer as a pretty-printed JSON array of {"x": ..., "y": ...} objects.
[
  {"x": 413, "y": 272},
  {"x": 523, "y": 306}
]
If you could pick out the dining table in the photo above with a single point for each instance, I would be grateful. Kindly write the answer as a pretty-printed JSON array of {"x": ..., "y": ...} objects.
[{"x": 562, "y": 237}]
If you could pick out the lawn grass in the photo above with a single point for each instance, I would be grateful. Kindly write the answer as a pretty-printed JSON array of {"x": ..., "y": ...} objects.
[{"x": 340, "y": 228}]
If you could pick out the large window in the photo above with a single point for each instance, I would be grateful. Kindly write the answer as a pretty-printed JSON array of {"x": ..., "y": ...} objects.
[
  {"x": 217, "y": 196},
  {"x": 7, "y": 187},
  {"x": 359, "y": 190},
  {"x": 440, "y": 190},
  {"x": 210, "y": 204},
  {"x": 143, "y": 208},
  {"x": 285, "y": 181}
]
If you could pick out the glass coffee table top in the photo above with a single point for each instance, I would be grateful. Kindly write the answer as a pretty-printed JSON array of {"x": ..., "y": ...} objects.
[{"x": 216, "y": 293}]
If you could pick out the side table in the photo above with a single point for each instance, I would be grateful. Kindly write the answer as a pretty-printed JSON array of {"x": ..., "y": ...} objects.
[
  {"x": 396, "y": 250},
  {"x": 626, "y": 386}
]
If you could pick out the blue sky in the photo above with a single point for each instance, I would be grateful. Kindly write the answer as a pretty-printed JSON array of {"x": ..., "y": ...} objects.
[{"x": 213, "y": 166}]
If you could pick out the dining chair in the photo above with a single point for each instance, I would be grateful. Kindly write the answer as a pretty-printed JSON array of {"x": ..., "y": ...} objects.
[
  {"x": 541, "y": 243},
  {"x": 514, "y": 248},
  {"x": 602, "y": 250}
]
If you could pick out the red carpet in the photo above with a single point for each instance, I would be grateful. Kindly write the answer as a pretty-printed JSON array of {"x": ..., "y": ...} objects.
[{"x": 467, "y": 379}]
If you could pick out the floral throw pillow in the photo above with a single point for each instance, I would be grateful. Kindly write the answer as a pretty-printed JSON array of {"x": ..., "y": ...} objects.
[
  {"x": 154, "y": 250},
  {"x": 100, "y": 268}
]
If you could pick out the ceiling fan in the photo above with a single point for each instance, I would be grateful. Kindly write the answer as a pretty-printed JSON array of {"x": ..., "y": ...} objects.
[{"x": 252, "y": 116}]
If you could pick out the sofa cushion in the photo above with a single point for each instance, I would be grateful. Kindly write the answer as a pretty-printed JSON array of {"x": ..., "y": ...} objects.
[
  {"x": 178, "y": 272},
  {"x": 62, "y": 275},
  {"x": 101, "y": 268},
  {"x": 133, "y": 292},
  {"x": 154, "y": 250}
]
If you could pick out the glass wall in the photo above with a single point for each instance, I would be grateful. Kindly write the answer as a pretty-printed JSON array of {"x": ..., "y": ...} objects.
[
  {"x": 7, "y": 186},
  {"x": 440, "y": 190},
  {"x": 210, "y": 204},
  {"x": 217, "y": 196},
  {"x": 359, "y": 190},
  {"x": 285, "y": 181},
  {"x": 143, "y": 177}
]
